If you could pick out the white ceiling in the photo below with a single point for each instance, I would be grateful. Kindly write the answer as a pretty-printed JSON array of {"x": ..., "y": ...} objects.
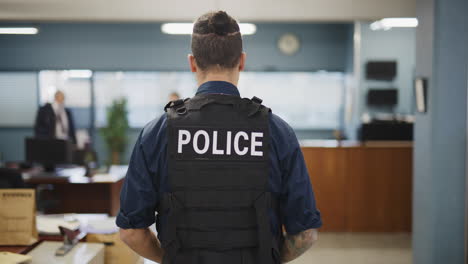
[{"x": 188, "y": 10}]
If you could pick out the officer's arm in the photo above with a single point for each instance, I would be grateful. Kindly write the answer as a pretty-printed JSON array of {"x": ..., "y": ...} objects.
[
  {"x": 296, "y": 245},
  {"x": 143, "y": 242}
]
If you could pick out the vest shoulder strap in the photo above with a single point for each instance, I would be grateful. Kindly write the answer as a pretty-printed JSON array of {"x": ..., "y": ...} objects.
[{"x": 250, "y": 106}]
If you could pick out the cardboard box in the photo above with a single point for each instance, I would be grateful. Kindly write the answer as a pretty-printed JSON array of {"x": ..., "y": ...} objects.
[
  {"x": 18, "y": 217},
  {"x": 116, "y": 252}
]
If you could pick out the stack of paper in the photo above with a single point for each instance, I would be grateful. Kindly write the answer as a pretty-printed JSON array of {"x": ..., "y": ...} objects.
[
  {"x": 118, "y": 170},
  {"x": 89, "y": 223},
  {"x": 101, "y": 226},
  {"x": 48, "y": 224}
]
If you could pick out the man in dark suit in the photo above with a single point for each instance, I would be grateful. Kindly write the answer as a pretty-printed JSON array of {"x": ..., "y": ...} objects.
[{"x": 53, "y": 120}]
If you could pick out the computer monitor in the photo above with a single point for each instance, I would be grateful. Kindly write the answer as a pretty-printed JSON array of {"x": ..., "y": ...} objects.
[
  {"x": 49, "y": 152},
  {"x": 382, "y": 97},
  {"x": 381, "y": 70}
]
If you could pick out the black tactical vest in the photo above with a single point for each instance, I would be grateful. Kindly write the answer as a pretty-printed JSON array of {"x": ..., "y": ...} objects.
[{"x": 218, "y": 164}]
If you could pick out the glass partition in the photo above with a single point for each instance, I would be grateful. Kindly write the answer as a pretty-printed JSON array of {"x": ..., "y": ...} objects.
[
  {"x": 306, "y": 100},
  {"x": 147, "y": 93},
  {"x": 76, "y": 85}
]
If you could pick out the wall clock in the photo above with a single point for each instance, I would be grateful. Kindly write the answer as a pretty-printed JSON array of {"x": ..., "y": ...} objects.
[{"x": 289, "y": 44}]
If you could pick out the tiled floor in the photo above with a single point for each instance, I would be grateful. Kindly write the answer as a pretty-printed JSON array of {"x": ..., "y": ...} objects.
[
  {"x": 362, "y": 248},
  {"x": 357, "y": 248}
]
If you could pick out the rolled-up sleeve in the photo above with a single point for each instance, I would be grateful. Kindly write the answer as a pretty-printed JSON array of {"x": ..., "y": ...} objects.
[
  {"x": 138, "y": 197},
  {"x": 300, "y": 211},
  {"x": 297, "y": 204}
]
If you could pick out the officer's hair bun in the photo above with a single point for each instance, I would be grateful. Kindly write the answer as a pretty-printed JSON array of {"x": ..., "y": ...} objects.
[
  {"x": 220, "y": 23},
  {"x": 216, "y": 41}
]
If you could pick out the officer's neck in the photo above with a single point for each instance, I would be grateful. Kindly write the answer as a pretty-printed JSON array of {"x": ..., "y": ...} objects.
[{"x": 226, "y": 76}]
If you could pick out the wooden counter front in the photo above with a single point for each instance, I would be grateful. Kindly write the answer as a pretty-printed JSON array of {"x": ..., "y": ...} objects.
[{"x": 362, "y": 188}]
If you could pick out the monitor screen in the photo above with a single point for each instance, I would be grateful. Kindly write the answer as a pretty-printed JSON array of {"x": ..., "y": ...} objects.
[
  {"x": 382, "y": 97},
  {"x": 49, "y": 151},
  {"x": 381, "y": 70}
]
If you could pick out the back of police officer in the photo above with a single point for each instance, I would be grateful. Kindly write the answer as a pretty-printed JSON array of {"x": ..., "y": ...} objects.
[{"x": 223, "y": 173}]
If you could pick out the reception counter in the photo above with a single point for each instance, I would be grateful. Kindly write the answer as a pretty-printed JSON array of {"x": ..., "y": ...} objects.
[{"x": 361, "y": 187}]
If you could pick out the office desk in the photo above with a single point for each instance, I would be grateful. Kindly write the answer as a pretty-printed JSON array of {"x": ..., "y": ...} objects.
[
  {"x": 83, "y": 253},
  {"x": 80, "y": 194}
]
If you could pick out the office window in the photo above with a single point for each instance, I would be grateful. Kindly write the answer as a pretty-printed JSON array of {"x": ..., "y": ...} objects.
[
  {"x": 147, "y": 93},
  {"x": 76, "y": 85},
  {"x": 306, "y": 100},
  {"x": 18, "y": 102}
]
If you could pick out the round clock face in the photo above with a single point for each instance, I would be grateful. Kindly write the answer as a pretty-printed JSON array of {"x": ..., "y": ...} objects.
[{"x": 289, "y": 44}]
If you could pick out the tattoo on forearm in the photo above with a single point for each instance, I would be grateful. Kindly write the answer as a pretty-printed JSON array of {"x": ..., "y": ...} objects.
[{"x": 296, "y": 245}]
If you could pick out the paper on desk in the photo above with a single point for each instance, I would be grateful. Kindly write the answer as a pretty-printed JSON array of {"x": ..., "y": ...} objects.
[
  {"x": 12, "y": 258},
  {"x": 101, "y": 226},
  {"x": 105, "y": 177},
  {"x": 118, "y": 170},
  {"x": 49, "y": 224},
  {"x": 71, "y": 172}
]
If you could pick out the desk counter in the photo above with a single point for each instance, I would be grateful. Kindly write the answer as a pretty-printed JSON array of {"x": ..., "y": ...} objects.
[
  {"x": 361, "y": 187},
  {"x": 80, "y": 194}
]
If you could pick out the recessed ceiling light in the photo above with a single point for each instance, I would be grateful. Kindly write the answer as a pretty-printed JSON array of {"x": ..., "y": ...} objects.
[
  {"x": 388, "y": 23},
  {"x": 19, "y": 30},
  {"x": 79, "y": 74}
]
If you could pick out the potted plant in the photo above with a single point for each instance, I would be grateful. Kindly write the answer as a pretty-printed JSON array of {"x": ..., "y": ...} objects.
[{"x": 115, "y": 133}]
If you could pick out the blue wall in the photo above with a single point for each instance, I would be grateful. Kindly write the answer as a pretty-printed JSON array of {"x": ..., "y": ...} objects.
[
  {"x": 441, "y": 143},
  {"x": 144, "y": 47},
  {"x": 12, "y": 142},
  {"x": 397, "y": 44},
  {"x": 323, "y": 47}
]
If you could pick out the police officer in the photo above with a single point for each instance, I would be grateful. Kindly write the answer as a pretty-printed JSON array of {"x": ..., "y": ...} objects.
[{"x": 225, "y": 175}]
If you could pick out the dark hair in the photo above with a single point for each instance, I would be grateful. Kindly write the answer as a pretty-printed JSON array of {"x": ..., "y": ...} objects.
[{"x": 216, "y": 41}]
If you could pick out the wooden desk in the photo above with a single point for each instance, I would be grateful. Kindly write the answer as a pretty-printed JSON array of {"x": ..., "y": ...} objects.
[
  {"x": 362, "y": 187},
  {"x": 79, "y": 194}
]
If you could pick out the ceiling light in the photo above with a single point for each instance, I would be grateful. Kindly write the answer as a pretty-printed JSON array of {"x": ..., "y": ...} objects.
[
  {"x": 177, "y": 28},
  {"x": 247, "y": 28},
  {"x": 187, "y": 28},
  {"x": 19, "y": 30},
  {"x": 79, "y": 74},
  {"x": 388, "y": 23}
]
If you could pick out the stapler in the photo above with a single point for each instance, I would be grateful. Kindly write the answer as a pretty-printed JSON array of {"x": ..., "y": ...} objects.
[{"x": 70, "y": 240}]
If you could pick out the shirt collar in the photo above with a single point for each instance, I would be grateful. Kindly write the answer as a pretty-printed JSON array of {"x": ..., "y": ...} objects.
[
  {"x": 218, "y": 87},
  {"x": 58, "y": 108},
  {"x": 55, "y": 106}
]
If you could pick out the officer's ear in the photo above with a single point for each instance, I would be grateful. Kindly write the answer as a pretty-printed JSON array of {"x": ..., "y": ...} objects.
[
  {"x": 242, "y": 61},
  {"x": 192, "y": 63}
]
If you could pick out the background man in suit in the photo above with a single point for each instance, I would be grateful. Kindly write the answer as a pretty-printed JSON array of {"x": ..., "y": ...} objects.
[{"x": 53, "y": 120}]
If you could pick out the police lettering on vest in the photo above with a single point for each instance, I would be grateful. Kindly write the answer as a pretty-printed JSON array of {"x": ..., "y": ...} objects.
[{"x": 229, "y": 143}]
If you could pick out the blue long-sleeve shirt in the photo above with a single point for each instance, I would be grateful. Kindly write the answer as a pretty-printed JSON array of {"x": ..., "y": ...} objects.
[{"x": 147, "y": 175}]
